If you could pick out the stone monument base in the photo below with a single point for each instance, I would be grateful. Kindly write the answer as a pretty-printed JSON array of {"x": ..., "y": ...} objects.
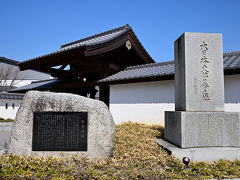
[
  {"x": 202, "y": 129},
  {"x": 201, "y": 154}
]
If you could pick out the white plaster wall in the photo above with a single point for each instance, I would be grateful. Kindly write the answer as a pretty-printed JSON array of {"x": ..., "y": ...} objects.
[
  {"x": 10, "y": 112},
  {"x": 146, "y": 102},
  {"x": 232, "y": 93},
  {"x": 142, "y": 102}
]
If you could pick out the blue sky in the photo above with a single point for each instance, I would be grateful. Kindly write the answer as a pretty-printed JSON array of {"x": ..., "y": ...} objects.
[{"x": 30, "y": 28}]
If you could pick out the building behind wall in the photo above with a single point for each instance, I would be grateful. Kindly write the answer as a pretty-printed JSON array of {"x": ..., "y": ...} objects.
[
  {"x": 20, "y": 78},
  {"x": 14, "y": 78},
  {"x": 142, "y": 93}
]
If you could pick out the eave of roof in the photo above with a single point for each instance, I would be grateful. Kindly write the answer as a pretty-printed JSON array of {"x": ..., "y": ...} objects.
[{"x": 164, "y": 71}]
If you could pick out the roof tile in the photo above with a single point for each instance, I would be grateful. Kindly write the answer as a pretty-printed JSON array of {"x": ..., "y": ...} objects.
[{"x": 96, "y": 39}]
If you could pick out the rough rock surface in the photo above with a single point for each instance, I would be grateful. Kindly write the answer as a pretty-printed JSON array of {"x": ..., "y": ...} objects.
[{"x": 101, "y": 127}]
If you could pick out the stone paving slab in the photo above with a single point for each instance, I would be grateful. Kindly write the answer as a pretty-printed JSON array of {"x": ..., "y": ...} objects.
[{"x": 201, "y": 154}]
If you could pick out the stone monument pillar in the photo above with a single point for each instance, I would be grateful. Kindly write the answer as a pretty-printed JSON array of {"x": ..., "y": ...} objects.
[{"x": 199, "y": 119}]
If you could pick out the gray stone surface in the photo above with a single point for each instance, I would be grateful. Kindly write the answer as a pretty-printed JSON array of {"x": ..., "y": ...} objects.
[
  {"x": 5, "y": 133},
  {"x": 201, "y": 154},
  {"x": 202, "y": 129},
  {"x": 4, "y": 139},
  {"x": 101, "y": 127},
  {"x": 199, "y": 72}
]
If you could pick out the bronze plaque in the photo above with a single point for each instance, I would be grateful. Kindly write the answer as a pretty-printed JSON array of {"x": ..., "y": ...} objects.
[{"x": 59, "y": 131}]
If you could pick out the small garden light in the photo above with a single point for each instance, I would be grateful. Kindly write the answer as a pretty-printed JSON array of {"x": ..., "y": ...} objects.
[{"x": 186, "y": 161}]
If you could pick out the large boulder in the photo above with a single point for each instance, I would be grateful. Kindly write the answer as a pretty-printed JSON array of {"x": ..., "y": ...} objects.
[{"x": 100, "y": 129}]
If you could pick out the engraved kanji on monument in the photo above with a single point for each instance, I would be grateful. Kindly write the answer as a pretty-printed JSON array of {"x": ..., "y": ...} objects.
[
  {"x": 199, "y": 72},
  {"x": 59, "y": 131}
]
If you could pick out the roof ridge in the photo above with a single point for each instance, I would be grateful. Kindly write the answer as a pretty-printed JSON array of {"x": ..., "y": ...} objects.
[
  {"x": 231, "y": 53},
  {"x": 150, "y": 65},
  {"x": 126, "y": 26}
]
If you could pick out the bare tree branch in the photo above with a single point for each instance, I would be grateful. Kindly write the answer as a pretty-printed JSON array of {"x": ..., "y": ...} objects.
[{"x": 9, "y": 77}]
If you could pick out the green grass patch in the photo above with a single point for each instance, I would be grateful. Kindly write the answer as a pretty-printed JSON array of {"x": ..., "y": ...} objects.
[
  {"x": 6, "y": 120},
  {"x": 136, "y": 156}
]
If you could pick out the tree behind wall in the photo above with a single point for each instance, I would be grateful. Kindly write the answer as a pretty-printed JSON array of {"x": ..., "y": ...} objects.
[{"x": 9, "y": 77}]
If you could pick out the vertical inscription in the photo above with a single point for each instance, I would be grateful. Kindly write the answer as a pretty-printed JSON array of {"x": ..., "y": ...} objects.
[
  {"x": 59, "y": 131},
  {"x": 205, "y": 72}
]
